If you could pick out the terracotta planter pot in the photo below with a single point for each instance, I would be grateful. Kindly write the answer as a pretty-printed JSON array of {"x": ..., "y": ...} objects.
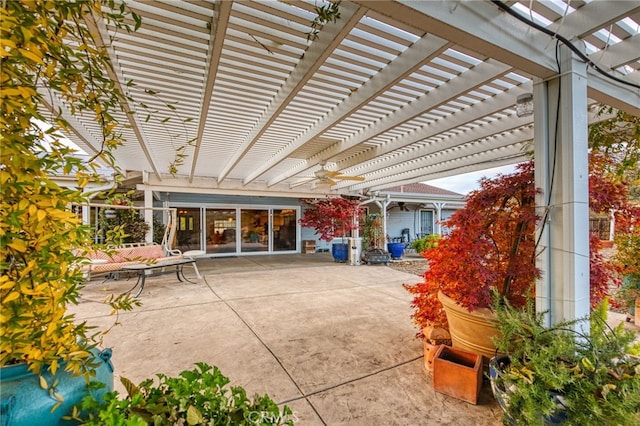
[
  {"x": 433, "y": 338},
  {"x": 429, "y": 353},
  {"x": 436, "y": 335},
  {"x": 606, "y": 244},
  {"x": 471, "y": 330},
  {"x": 457, "y": 373}
]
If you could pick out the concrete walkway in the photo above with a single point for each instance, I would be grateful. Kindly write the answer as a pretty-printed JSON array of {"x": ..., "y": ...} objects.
[{"x": 333, "y": 342}]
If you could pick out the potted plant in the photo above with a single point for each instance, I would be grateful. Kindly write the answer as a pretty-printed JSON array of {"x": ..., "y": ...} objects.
[
  {"x": 371, "y": 231},
  {"x": 373, "y": 240},
  {"x": 123, "y": 225},
  {"x": 491, "y": 246},
  {"x": 197, "y": 396},
  {"x": 561, "y": 375},
  {"x": 396, "y": 249},
  {"x": 332, "y": 217},
  {"x": 41, "y": 345}
]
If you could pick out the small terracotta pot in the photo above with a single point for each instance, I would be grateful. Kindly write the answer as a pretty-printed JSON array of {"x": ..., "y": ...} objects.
[
  {"x": 457, "y": 373},
  {"x": 429, "y": 353}
]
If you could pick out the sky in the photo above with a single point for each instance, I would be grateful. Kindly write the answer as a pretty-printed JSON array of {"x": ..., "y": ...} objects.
[{"x": 467, "y": 182}]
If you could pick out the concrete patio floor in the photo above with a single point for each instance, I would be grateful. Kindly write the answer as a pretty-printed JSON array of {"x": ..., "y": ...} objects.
[{"x": 332, "y": 341}]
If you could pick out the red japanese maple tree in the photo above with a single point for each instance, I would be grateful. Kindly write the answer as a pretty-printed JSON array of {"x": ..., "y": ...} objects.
[
  {"x": 492, "y": 245},
  {"x": 331, "y": 217}
]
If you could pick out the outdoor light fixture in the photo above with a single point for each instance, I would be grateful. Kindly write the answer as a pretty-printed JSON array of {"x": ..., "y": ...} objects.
[
  {"x": 323, "y": 183},
  {"x": 524, "y": 105}
]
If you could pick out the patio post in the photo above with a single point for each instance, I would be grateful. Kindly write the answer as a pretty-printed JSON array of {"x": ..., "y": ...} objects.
[
  {"x": 561, "y": 172},
  {"x": 148, "y": 213}
]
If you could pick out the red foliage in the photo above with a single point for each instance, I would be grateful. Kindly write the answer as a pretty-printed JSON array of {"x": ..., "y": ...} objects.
[
  {"x": 492, "y": 245},
  {"x": 603, "y": 273},
  {"x": 331, "y": 217},
  {"x": 628, "y": 220},
  {"x": 604, "y": 194}
]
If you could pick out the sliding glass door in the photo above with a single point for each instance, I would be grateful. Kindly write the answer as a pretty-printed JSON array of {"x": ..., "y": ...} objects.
[
  {"x": 237, "y": 230},
  {"x": 255, "y": 230},
  {"x": 188, "y": 229},
  {"x": 284, "y": 229},
  {"x": 220, "y": 230}
]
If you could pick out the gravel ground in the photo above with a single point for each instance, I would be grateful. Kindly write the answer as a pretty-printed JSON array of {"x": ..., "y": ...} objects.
[{"x": 416, "y": 267}]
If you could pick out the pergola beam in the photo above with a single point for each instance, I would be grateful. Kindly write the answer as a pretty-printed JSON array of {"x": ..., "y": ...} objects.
[
  {"x": 99, "y": 32},
  {"x": 480, "y": 74},
  {"x": 314, "y": 58},
  {"x": 410, "y": 60},
  {"x": 216, "y": 40},
  {"x": 484, "y": 28}
]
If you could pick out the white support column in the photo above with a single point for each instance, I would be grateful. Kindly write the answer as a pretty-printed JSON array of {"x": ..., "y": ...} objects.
[
  {"x": 86, "y": 214},
  {"x": 562, "y": 174},
  {"x": 545, "y": 96},
  {"x": 385, "y": 204},
  {"x": 439, "y": 207},
  {"x": 612, "y": 225},
  {"x": 148, "y": 213}
]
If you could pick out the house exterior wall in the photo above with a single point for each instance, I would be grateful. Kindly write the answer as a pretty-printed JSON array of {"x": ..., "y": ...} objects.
[
  {"x": 224, "y": 225},
  {"x": 197, "y": 205},
  {"x": 398, "y": 220}
]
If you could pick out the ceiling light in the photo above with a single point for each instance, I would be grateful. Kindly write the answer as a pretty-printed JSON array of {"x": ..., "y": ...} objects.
[
  {"x": 524, "y": 105},
  {"x": 323, "y": 183}
]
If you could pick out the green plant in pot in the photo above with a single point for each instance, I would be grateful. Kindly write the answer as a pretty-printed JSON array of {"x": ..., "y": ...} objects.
[
  {"x": 196, "y": 397},
  {"x": 124, "y": 225},
  {"x": 332, "y": 217},
  {"x": 372, "y": 232},
  {"x": 557, "y": 375},
  {"x": 491, "y": 246},
  {"x": 40, "y": 342}
]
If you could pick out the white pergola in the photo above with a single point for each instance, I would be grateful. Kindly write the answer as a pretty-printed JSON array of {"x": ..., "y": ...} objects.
[{"x": 394, "y": 91}]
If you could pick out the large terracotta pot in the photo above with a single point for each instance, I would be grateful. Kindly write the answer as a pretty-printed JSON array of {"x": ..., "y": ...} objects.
[{"x": 471, "y": 330}]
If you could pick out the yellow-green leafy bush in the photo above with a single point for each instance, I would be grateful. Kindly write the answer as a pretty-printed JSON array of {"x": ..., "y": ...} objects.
[{"x": 48, "y": 55}]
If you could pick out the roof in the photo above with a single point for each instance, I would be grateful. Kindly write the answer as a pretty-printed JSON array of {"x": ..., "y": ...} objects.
[
  {"x": 396, "y": 92},
  {"x": 420, "y": 188}
]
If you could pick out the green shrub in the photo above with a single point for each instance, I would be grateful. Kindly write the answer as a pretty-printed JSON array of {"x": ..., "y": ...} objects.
[
  {"x": 589, "y": 372},
  {"x": 426, "y": 242},
  {"x": 196, "y": 397}
]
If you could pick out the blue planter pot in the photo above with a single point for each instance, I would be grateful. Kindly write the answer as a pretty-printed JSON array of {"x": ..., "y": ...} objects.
[
  {"x": 396, "y": 250},
  {"x": 340, "y": 252},
  {"x": 25, "y": 403}
]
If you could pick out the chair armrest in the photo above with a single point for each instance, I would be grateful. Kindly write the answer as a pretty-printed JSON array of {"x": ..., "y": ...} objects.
[{"x": 174, "y": 252}]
